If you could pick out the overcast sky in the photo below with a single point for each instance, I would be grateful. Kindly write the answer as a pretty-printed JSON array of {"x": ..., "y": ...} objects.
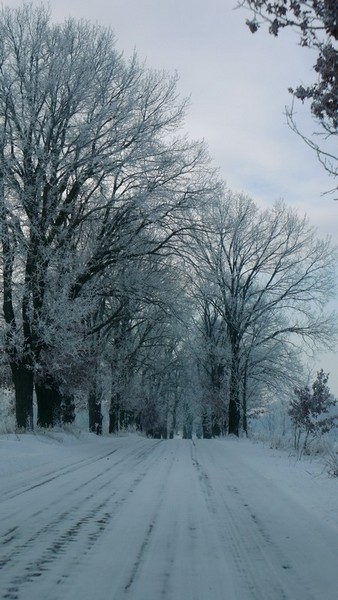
[{"x": 238, "y": 86}]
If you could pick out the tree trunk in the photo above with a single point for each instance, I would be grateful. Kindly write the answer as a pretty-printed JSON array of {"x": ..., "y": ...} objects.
[
  {"x": 206, "y": 426},
  {"x": 234, "y": 393},
  {"x": 164, "y": 431},
  {"x": 215, "y": 426},
  {"x": 68, "y": 408},
  {"x": 187, "y": 429},
  {"x": 114, "y": 411},
  {"x": 244, "y": 401},
  {"x": 23, "y": 383},
  {"x": 95, "y": 412},
  {"x": 173, "y": 424},
  {"x": 49, "y": 400}
]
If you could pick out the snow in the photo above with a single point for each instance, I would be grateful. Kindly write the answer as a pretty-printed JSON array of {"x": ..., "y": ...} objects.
[{"x": 129, "y": 518}]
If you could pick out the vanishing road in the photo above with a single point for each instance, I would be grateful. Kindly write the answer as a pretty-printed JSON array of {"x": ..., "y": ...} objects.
[{"x": 160, "y": 520}]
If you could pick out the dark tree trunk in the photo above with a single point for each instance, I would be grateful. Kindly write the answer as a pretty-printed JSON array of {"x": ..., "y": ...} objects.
[
  {"x": 215, "y": 428},
  {"x": 114, "y": 411},
  {"x": 187, "y": 430},
  {"x": 234, "y": 415},
  {"x": 95, "y": 413},
  {"x": 244, "y": 401},
  {"x": 127, "y": 418},
  {"x": 206, "y": 426},
  {"x": 124, "y": 419},
  {"x": 68, "y": 408},
  {"x": 121, "y": 418},
  {"x": 164, "y": 432},
  {"x": 49, "y": 401},
  {"x": 23, "y": 383},
  {"x": 173, "y": 424},
  {"x": 172, "y": 428},
  {"x": 138, "y": 422},
  {"x": 234, "y": 396}
]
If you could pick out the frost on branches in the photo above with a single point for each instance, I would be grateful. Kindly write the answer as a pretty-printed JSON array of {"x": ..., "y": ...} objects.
[{"x": 94, "y": 178}]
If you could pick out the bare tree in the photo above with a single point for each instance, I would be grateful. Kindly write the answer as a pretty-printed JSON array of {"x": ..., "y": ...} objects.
[
  {"x": 271, "y": 278},
  {"x": 93, "y": 174}
]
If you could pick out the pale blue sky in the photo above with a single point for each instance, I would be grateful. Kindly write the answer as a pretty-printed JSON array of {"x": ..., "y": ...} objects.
[{"x": 238, "y": 83}]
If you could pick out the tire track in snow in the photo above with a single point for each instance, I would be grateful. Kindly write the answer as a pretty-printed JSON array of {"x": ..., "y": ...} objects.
[
  {"x": 150, "y": 531},
  {"x": 232, "y": 538},
  {"x": 53, "y": 474},
  {"x": 166, "y": 522},
  {"x": 139, "y": 557},
  {"x": 169, "y": 561},
  {"x": 13, "y": 534},
  {"x": 66, "y": 528},
  {"x": 261, "y": 565}
]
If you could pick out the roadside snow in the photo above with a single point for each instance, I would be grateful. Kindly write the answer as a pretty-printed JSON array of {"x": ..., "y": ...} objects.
[{"x": 305, "y": 481}]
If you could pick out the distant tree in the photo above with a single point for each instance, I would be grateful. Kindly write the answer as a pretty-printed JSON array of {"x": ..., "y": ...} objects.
[
  {"x": 271, "y": 368},
  {"x": 309, "y": 410},
  {"x": 210, "y": 356},
  {"x": 143, "y": 346},
  {"x": 316, "y": 23},
  {"x": 271, "y": 277}
]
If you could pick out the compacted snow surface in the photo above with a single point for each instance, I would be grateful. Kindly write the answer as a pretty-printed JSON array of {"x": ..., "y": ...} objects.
[{"x": 127, "y": 518}]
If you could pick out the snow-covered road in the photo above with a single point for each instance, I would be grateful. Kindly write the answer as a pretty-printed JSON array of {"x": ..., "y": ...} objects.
[{"x": 137, "y": 519}]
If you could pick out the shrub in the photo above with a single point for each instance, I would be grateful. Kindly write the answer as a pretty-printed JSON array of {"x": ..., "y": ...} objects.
[{"x": 309, "y": 411}]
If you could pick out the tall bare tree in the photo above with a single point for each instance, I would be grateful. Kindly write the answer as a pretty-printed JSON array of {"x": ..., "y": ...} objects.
[
  {"x": 93, "y": 173},
  {"x": 271, "y": 277}
]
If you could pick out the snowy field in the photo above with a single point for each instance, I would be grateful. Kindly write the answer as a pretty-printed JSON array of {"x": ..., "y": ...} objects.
[{"x": 127, "y": 518}]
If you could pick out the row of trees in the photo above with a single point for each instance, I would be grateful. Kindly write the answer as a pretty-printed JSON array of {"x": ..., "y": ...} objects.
[{"x": 130, "y": 275}]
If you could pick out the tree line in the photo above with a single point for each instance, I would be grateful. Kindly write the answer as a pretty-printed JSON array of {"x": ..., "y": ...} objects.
[{"x": 130, "y": 274}]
